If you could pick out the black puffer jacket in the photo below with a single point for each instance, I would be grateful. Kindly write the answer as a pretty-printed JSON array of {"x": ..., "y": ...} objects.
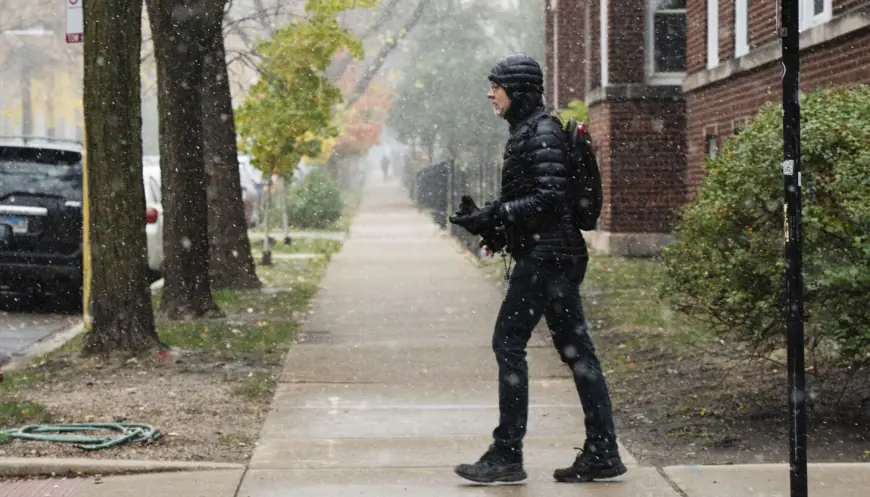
[{"x": 533, "y": 199}]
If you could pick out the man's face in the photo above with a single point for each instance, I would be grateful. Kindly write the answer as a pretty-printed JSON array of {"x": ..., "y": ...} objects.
[{"x": 500, "y": 101}]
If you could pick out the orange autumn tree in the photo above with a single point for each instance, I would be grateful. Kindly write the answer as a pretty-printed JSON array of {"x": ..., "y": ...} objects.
[{"x": 360, "y": 125}]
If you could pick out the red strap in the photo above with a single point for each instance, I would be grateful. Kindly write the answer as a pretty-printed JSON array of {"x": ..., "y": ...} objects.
[{"x": 583, "y": 131}]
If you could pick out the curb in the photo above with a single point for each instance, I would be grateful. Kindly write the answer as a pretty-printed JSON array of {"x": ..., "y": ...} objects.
[
  {"x": 19, "y": 467},
  {"x": 54, "y": 341}
]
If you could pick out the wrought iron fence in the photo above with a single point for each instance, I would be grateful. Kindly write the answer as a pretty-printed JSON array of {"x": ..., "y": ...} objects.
[{"x": 439, "y": 187}]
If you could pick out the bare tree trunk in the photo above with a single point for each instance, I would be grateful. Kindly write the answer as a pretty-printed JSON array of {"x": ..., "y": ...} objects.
[
  {"x": 231, "y": 264},
  {"x": 387, "y": 11},
  {"x": 179, "y": 28},
  {"x": 267, "y": 254},
  {"x": 285, "y": 219},
  {"x": 123, "y": 320}
]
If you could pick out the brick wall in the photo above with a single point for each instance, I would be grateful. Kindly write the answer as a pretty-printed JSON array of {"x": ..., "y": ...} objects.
[
  {"x": 594, "y": 39},
  {"x": 842, "y": 63},
  {"x": 843, "y": 6},
  {"x": 647, "y": 169},
  {"x": 726, "y": 29},
  {"x": 571, "y": 52},
  {"x": 599, "y": 128},
  {"x": 763, "y": 20},
  {"x": 696, "y": 35},
  {"x": 762, "y": 23},
  {"x": 639, "y": 134},
  {"x": 625, "y": 41}
]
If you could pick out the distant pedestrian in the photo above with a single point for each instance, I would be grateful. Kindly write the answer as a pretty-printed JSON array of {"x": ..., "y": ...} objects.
[
  {"x": 534, "y": 221},
  {"x": 385, "y": 167}
]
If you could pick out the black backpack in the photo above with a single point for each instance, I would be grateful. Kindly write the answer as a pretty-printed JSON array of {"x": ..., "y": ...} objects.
[{"x": 584, "y": 179}]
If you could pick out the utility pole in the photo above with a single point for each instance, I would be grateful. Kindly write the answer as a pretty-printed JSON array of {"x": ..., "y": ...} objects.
[{"x": 794, "y": 282}]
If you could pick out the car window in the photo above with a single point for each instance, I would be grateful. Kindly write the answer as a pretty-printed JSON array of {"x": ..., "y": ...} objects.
[{"x": 38, "y": 171}]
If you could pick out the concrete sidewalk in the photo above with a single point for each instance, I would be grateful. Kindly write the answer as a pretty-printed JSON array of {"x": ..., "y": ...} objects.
[{"x": 394, "y": 382}]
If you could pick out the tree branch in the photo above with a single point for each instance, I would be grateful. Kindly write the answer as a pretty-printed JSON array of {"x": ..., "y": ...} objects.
[
  {"x": 386, "y": 13},
  {"x": 363, "y": 84}
]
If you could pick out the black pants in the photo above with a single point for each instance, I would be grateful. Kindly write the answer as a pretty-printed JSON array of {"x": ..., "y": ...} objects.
[{"x": 550, "y": 289}]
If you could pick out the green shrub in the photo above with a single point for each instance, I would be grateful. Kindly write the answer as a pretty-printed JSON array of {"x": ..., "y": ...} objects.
[
  {"x": 576, "y": 110},
  {"x": 316, "y": 202},
  {"x": 726, "y": 265}
]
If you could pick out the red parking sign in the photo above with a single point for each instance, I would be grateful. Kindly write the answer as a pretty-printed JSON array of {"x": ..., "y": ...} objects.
[{"x": 75, "y": 21}]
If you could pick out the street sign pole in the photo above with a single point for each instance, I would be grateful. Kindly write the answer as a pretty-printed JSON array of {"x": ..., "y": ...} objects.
[
  {"x": 791, "y": 169},
  {"x": 75, "y": 20},
  {"x": 75, "y": 29},
  {"x": 86, "y": 240}
]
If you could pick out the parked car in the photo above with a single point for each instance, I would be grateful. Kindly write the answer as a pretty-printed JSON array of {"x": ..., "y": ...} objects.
[
  {"x": 251, "y": 180},
  {"x": 41, "y": 217},
  {"x": 153, "y": 218}
]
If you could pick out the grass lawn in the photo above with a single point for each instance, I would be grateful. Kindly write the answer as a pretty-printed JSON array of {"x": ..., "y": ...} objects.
[
  {"x": 208, "y": 398},
  {"x": 684, "y": 396}
]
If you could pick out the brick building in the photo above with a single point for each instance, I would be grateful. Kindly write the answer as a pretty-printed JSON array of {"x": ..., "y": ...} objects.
[
  {"x": 664, "y": 87},
  {"x": 738, "y": 69}
]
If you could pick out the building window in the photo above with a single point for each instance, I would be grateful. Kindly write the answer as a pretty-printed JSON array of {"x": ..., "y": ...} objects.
[
  {"x": 712, "y": 147},
  {"x": 814, "y": 13},
  {"x": 604, "y": 18},
  {"x": 741, "y": 28},
  {"x": 712, "y": 33},
  {"x": 666, "y": 41},
  {"x": 739, "y": 125}
]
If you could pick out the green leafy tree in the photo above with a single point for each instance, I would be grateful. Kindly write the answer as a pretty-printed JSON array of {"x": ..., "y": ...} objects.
[
  {"x": 442, "y": 101},
  {"x": 290, "y": 109},
  {"x": 726, "y": 265}
]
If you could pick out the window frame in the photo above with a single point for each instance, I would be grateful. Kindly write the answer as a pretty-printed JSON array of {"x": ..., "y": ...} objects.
[
  {"x": 712, "y": 34},
  {"x": 741, "y": 28},
  {"x": 808, "y": 19},
  {"x": 653, "y": 77},
  {"x": 713, "y": 140}
]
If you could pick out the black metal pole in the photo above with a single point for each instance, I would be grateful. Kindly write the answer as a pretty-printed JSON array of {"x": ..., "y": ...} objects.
[{"x": 791, "y": 168}]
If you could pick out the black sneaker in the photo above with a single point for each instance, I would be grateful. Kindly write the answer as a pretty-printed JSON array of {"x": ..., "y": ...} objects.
[
  {"x": 494, "y": 466},
  {"x": 592, "y": 464}
]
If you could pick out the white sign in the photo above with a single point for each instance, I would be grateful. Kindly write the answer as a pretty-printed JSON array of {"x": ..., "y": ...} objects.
[{"x": 75, "y": 21}]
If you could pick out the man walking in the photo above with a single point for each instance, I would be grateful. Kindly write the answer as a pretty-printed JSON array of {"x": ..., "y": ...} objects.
[{"x": 533, "y": 219}]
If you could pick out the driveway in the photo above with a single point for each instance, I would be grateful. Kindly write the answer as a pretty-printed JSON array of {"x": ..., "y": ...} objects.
[{"x": 21, "y": 326}]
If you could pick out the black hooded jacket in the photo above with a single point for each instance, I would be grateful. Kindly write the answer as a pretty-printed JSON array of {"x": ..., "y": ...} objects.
[{"x": 533, "y": 203}]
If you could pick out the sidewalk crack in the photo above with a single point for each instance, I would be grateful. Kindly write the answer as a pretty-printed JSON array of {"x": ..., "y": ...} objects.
[
  {"x": 671, "y": 482},
  {"x": 241, "y": 480}
]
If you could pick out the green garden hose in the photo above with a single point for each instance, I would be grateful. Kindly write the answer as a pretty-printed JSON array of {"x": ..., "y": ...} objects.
[{"x": 128, "y": 433}]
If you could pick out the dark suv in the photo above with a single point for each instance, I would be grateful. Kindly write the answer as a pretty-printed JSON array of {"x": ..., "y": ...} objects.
[{"x": 41, "y": 217}]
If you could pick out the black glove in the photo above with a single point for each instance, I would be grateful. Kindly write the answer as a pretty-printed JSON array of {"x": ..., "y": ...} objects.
[
  {"x": 494, "y": 240},
  {"x": 475, "y": 220},
  {"x": 466, "y": 207}
]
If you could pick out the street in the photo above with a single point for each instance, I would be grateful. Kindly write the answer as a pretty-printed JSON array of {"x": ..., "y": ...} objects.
[{"x": 21, "y": 326}]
